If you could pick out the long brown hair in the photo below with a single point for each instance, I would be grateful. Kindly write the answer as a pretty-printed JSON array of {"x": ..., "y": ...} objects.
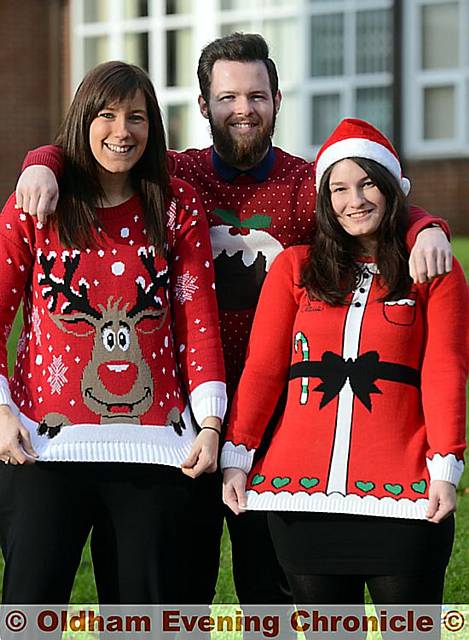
[
  {"x": 80, "y": 189},
  {"x": 331, "y": 271}
]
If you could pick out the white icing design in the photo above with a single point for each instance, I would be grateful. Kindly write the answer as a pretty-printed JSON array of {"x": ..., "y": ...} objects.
[{"x": 250, "y": 245}]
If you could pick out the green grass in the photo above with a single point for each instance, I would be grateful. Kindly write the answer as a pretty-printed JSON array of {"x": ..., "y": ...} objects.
[{"x": 457, "y": 577}]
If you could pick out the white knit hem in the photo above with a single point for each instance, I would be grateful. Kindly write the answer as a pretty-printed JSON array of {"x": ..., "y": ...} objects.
[
  {"x": 118, "y": 442},
  {"x": 237, "y": 456},
  {"x": 447, "y": 468},
  {"x": 337, "y": 503},
  {"x": 5, "y": 396},
  {"x": 209, "y": 399}
]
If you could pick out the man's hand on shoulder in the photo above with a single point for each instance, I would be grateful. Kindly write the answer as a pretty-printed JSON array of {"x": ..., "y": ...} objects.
[
  {"x": 37, "y": 191},
  {"x": 431, "y": 255}
]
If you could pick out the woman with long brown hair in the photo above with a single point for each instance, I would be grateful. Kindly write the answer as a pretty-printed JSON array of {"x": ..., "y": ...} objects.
[
  {"x": 120, "y": 348},
  {"x": 359, "y": 474}
]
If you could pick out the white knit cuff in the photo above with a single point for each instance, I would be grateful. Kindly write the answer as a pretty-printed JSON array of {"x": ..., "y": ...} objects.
[
  {"x": 5, "y": 396},
  {"x": 447, "y": 468},
  {"x": 208, "y": 399},
  {"x": 236, "y": 456}
]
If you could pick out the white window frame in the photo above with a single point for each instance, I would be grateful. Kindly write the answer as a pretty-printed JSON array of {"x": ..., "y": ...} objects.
[
  {"x": 416, "y": 80},
  {"x": 343, "y": 85}
]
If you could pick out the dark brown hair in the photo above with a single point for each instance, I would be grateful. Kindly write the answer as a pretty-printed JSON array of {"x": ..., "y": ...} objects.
[
  {"x": 236, "y": 47},
  {"x": 331, "y": 271},
  {"x": 80, "y": 190}
]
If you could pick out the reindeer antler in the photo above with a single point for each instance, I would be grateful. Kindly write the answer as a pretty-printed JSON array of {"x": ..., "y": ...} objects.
[
  {"x": 76, "y": 301},
  {"x": 146, "y": 296}
]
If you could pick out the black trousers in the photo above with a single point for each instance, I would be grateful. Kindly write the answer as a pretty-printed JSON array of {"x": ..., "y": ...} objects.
[
  {"x": 139, "y": 518},
  {"x": 257, "y": 574}
]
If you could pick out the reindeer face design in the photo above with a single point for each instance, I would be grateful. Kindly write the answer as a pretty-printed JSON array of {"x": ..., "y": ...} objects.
[{"x": 116, "y": 383}]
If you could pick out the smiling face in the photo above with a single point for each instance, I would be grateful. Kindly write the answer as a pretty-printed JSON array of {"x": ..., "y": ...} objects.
[
  {"x": 241, "y": 111},
  {"x": 357, "y": 202},
  {"x": 119, "y": 134}
]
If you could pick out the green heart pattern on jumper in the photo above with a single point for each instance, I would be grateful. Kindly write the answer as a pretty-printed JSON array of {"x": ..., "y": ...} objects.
[
  {"x": 279, "y": 482},
  {"x": 419, "y": 487},
  {"x": 395, "y": 489},
  {"x": 365, "y": 486},
  {"x": 309, "y": 483}
]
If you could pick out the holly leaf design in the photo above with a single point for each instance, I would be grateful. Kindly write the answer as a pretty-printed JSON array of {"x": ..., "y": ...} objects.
[
  {"x": 256, "y": 221},
  {"x": 229, "y": 216}
]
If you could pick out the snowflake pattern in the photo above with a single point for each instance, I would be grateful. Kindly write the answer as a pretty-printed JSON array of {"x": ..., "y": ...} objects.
[
  {"x": 36, "y": 321},
  {"x": 185, "y": 287},
  {"x": 57, "y": 372}
]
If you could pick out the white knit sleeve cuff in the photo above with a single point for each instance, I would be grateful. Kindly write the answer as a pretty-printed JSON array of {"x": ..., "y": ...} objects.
[
  {"x": 447, "y": 468},
  {"x": 208, "y": 399},
  {"x": 5, "y": 396},
  {"x": 236, "y": 456}
]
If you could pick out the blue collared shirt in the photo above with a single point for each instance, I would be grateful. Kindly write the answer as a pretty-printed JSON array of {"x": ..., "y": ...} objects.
[{"x": 259, "y": 172}]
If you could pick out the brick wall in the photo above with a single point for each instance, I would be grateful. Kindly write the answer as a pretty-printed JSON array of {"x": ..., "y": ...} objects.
[
  {"x": 32, "y": 79},
  {"x": 442, "y": 187}
]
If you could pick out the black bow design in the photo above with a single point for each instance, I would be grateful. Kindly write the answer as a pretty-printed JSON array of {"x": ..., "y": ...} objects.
[{"x": 362, "y": 373}]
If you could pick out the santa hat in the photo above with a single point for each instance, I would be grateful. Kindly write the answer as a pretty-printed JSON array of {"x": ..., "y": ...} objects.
[{"x": 354, "y": 138}]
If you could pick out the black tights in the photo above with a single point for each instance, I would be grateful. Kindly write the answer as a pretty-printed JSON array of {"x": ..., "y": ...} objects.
[
  {"x": 341, "y": 590},
  {"x": 350, "y": 589}
]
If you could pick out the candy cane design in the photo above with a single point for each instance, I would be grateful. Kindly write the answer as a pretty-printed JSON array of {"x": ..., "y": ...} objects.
[{"x": 300, "y": 338}]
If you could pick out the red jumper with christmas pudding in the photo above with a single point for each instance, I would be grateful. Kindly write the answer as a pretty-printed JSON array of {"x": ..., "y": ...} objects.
[
  {"x": 376, "y": 366},
  {"x": 120, "y": 348}
]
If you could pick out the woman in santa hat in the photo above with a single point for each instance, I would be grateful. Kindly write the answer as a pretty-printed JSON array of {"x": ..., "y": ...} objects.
[{"x": 360, "y": 473}]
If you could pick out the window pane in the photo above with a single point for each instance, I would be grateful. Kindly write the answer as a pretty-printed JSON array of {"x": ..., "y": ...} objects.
[
  {"x": 136, "y": 49},
  {"x": 327, "y": 45},
  {"x": 96, "y": 51},
  {"x": 438, "y": 117},
  {"x": 289, "y": 113},
  {"x": 178, "y": 55},
  {"x": 375, "y": 105},
  {"x": 178, "y": 126},
  {"x": 280, "y": 34},
  {"x": 178, "y": 6},
  {"x": 244, "y": 27},
  {"x": 227, "y": 5},
  {"x": 95, "y": 10},
  {"x": 325, "y": 116},
  {"x": 281, "y": 3},
  {"x": 135, "y": 8},
  {"x": 374, "y": 41},
  {"x": 440, "y": 36}
]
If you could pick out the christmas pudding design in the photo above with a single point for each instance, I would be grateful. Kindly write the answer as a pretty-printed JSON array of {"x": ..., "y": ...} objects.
[{"x": 243, "y": 253}]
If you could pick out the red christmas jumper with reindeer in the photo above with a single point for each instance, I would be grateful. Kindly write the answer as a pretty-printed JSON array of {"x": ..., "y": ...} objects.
[
  {"x": 376, "y": 396},
  {"x": 252, "y": 216},
  {"x": 116, "y": 339}
]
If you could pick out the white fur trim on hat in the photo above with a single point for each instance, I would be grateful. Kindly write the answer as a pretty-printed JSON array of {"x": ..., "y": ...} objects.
[{"x": 360, "y": 148}]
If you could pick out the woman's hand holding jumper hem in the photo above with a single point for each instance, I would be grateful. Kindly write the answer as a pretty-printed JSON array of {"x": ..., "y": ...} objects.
[
  {"x": 15, "y": 442},
  {"x": 234, "y": 490}
]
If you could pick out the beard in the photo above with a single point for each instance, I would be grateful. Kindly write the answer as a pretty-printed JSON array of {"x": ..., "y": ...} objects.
[{"x": 240, "y": 152}]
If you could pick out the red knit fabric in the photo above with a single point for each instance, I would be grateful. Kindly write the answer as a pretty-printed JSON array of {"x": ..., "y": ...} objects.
[
  {"x": 114, "y": 338},
  {"x": 358, "y": 426},
  {"x": 250, "y": 223}
]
